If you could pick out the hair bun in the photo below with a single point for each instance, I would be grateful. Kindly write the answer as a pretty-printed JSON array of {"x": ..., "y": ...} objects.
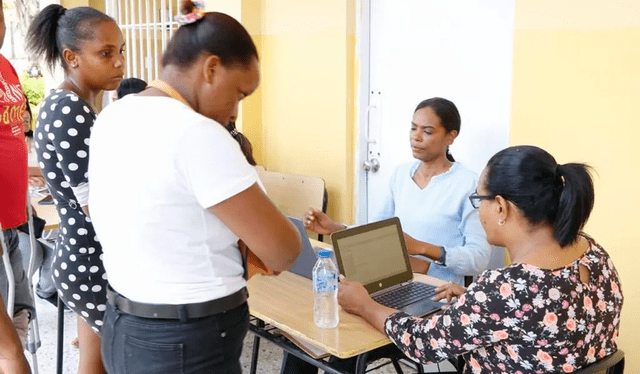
[
  {"x": 187, "y": 6},
  {"x": 61, "y": 11}
]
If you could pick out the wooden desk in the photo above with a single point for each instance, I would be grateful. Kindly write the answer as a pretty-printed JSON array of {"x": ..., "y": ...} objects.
[
  {"x": 319, "y": 244},
  {"x": 46, "y": 212},
  {"x": 286, "y": 302}
]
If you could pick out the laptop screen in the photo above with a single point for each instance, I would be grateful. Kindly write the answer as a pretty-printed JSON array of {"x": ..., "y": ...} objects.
[{"x": 372, "y": 253}]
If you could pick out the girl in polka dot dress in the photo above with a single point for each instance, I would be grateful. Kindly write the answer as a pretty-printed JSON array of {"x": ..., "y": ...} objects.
[
  {"x": 63, "y": 147},
  {"x": 89, "y": 45}
]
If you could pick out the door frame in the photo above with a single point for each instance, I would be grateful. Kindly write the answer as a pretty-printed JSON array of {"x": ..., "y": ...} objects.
[
  {"x": 364, "y": 23},
  {"x": 363, "y": 53}
]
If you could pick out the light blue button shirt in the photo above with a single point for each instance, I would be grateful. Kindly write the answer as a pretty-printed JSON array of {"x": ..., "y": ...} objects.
[{"x": 440, "y": 214}]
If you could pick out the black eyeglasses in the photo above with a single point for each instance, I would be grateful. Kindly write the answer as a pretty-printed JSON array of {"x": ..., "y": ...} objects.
[{"x": 475, "y": 199}]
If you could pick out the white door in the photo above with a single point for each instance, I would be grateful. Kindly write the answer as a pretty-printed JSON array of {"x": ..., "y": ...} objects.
[{"x": 461, "y": 50}]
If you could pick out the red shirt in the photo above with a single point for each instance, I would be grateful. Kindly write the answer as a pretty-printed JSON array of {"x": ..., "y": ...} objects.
[{"x": 13, "y": 151}]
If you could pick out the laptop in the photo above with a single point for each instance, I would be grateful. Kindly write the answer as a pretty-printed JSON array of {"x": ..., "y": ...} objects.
[
  {"x": 375, "y": 255},
  {"x": 307, "y": 258}
]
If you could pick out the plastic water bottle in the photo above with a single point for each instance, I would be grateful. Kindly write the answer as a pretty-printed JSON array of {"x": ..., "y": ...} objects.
[{"x": 325, "y": 291}]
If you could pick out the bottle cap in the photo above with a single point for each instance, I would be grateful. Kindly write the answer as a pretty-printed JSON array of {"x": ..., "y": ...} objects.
[{"x": 324, "y": 253}]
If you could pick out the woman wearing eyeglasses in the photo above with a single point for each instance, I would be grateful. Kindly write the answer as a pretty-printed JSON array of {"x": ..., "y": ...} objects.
[{"x": 556, "y": 308}]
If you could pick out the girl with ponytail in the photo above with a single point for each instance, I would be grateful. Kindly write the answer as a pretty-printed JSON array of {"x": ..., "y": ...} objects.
[
  {"x": 555, "y": 309},
  {"x": 88, "y": 46}
]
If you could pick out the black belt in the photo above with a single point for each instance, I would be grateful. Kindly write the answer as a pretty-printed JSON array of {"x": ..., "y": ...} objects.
[{"x": 182, "y": 311}]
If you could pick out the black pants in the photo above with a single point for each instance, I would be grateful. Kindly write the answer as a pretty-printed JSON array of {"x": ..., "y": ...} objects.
[{"x": 212, "y": 345}]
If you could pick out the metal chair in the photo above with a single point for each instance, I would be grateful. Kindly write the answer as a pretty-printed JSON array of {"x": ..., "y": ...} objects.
[
  {"x": 613, "y": 364},
  {"x": 294, "y": 194}
]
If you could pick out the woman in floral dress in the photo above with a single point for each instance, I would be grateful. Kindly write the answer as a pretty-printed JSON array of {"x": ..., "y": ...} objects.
[{"x": 556, "y": 308}]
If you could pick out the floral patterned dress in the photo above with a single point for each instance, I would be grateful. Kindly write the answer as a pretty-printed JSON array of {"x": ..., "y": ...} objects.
[{"x": 523, "y": 319}]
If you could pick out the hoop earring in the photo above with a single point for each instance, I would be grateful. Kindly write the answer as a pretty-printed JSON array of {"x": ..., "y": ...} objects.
[{"x": 501, "y": 222}]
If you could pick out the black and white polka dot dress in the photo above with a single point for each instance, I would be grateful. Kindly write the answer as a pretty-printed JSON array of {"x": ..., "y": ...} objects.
[{"x": 62, "y": 144}]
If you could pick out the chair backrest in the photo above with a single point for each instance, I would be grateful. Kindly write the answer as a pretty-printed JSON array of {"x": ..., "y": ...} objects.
[
  {"x": 294, "y": 194},
  {"x": 613, "y": 364},
  {"x": 496, "y": 261}
]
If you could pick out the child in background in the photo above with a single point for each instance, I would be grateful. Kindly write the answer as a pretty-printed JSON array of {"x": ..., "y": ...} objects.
[{"x": 130, "y": 86}]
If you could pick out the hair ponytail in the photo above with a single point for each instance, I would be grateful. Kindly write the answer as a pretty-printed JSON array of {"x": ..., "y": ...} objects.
[
  {"x": 216, "y": 34},
  {"x": 450, "y": 156},
  {"x": 42, "y": 35},
  {"x": 186, "y": 6},
  {"x": 560, "y": 196},
  {"x": 56, "y": 28},
  {"x": 576, "y": 202}
]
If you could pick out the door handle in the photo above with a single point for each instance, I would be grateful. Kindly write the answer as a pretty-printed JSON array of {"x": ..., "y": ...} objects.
[{"x": 372, "y": 165}]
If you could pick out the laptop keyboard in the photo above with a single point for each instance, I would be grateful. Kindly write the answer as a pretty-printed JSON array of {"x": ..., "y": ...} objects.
[{"x": 406, "y": 295}]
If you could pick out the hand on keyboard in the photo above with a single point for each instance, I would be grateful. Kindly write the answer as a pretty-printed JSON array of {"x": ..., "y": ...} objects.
[{"x": 449, "y": 291}]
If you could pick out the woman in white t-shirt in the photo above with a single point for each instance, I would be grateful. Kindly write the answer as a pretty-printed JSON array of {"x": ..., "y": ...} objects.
[{"x": 171, "y": 194}]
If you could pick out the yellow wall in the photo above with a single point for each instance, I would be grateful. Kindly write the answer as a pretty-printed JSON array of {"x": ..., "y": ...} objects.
[
  {"x": 230, "y": 7},
  {"x": 576, "y": 84},
  {"x": 576, "y": 89},
  {"x": 98, "y": 4},
  {"x": 301, "y": 120},
  {"x": 302, "y": 117}
]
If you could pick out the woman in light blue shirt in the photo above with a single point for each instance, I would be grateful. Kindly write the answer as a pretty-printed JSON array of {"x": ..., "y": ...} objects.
[{"x": 430, "y": 196}]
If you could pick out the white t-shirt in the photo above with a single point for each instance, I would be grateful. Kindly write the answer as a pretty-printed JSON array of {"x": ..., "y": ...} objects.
[{"x": 155, "y": 167}]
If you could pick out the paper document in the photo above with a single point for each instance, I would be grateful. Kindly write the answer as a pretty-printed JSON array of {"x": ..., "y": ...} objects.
[{"x": 309, "y": 348}]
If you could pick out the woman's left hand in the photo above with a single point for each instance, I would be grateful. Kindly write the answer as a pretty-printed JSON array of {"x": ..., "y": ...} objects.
[
  {"x": 352, "y": 296},
  {"x": 449, "y": 291}
]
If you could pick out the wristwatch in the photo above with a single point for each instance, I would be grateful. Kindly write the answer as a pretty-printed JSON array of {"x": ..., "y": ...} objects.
[{"x": 442, "y": 261}]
